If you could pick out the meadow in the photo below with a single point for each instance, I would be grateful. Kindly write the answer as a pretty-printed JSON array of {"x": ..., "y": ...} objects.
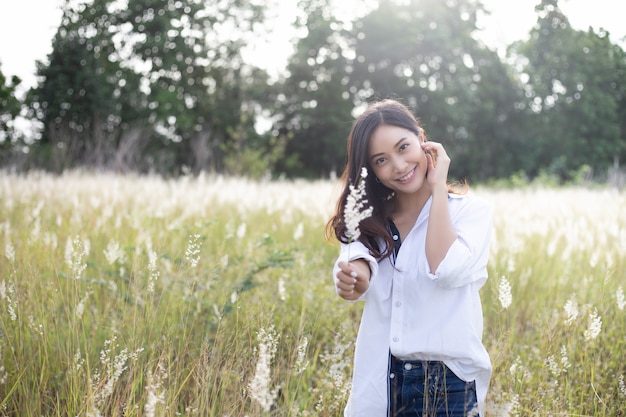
[{"x": 213, "y": 296}]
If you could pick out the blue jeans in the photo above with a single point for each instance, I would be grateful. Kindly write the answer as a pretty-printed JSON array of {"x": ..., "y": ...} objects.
[{"x": 429, "y": 389}]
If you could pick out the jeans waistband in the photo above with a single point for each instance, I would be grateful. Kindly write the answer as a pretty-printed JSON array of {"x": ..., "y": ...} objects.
[{"x": 415, "y": 362}]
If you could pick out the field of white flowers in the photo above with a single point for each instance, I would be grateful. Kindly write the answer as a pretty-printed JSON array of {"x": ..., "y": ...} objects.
[{"x": 212, "y": 296}]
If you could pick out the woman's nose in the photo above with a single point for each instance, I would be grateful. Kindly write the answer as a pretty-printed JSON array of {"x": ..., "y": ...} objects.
[{"x": 399, "y": 164}]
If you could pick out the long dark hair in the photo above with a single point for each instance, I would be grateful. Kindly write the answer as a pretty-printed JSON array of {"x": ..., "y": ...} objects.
[{"x": 381, "y": 198}]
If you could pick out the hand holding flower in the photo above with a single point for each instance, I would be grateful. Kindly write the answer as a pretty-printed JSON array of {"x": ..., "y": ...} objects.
[{"x": 353, "y": 279}]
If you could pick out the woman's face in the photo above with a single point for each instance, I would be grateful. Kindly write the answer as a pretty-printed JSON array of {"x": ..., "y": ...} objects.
[{"x": 397, "y": 158}]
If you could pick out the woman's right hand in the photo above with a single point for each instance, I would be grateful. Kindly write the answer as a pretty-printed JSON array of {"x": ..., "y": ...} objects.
[{"x": 353, "y": 279}]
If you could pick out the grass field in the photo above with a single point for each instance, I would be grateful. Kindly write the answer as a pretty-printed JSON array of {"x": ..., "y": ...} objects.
[{"x": 210, "y": 296}]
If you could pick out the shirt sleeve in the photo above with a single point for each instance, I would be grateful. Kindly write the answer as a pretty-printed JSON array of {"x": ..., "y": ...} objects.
[
  {"x": 350, "y": 252},
  {"x": 466, "y": 260}
]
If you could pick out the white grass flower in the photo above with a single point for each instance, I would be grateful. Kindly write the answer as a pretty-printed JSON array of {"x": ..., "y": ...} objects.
[
  {"x": 114, "y": 366},
  {"x": 355, "y": 210},
  {"x": 622, "y": 386},
  {"x": 553, "y": 366},
  {"x": 80, "y": 308},
  {"x": 114, "y": 372},
  {"x": 147, "y": 241},
  {"x": 506, "y": 408},
  {"x": 299, "y": 232},
  {"x": 610, "y": 260},
  {"x": 259, "y": 386},
  {"x": 217, "y": 312},
  {"x": 75, "y": 251},
  {"x": 94, "y": 413},
  {"x": 335, "y": 389},
  {"x": 86, "y": 244},
  {"x": 571, "y": 309},
  {"x": 35, "y": 231},
  {"x": 79, "y": 361},
  {"x": 3, "y": 290},
  {"x": 50, "y": 240},
  {"x": 301, "y": 361},
  {"x": 152, "y": 268},
  {"x": 595, "y": 325},
  {"x": 518, "y": 371},
  {"x": 619, "y": 296},
  {"x": 113, "y": 253},
  {"x": 565, "y": 359},
  {"x": 156, "y": 394},
  {"x": 192, "y": 253},
  {"x": 4, "y": 374},
  {"x": 281, "y": 289},
  {"x": 241, "y": 231},
  {"x": 224, "y": 261},
  {"x": 9, "y": 251},
  {"x": 593, "y": 259},
  {"x": 11, "y": 303},
  {"x": 504, "y": 293},
  {"x": 511, "y": 264}
]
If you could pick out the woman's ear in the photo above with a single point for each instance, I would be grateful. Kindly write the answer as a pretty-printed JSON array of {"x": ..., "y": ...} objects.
[{"x": 421, "y": 135}]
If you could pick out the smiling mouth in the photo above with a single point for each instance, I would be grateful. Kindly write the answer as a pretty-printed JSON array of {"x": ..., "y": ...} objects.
[{"x": 407, "y": 176}]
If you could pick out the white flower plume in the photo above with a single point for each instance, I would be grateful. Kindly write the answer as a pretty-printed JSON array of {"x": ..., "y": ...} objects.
[
  {"x": 504, "y": 293},
  {"x": 355, "y": 210}
]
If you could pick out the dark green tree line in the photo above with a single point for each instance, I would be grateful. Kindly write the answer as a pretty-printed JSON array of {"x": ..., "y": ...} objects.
[
  {"x": 150, "y": 86},
  {"x": 162, "y": 85},
  {"x": 315, "y": 105},
  {"x": 426, "y": 53},
  {"x": 577, "y": 92},
  {"x": 9, "y": 110}
]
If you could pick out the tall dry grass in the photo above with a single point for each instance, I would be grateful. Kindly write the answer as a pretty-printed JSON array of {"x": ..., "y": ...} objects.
[{"x": 211, "y": 296}]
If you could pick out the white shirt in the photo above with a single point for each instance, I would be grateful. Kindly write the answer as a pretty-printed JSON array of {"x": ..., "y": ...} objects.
[{"x": 416, "y": 314}]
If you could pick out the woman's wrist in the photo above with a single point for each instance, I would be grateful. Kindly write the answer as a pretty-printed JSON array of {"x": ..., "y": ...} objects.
[{"x": 439, "y": 189}]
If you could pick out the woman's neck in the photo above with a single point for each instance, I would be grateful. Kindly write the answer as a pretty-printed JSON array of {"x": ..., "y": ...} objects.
[{"x": 408, "y": 208}]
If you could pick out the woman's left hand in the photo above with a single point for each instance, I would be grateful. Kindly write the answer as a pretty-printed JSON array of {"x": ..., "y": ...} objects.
[{"x": 438, "y": 165}]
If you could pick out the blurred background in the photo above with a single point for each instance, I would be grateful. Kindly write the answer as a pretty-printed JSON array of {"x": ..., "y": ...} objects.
[{"x": 270, "y": 88}]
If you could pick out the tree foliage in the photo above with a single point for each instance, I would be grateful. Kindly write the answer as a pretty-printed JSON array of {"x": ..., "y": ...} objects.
[
  {"x": 426, "y": 53},
  {"x": 314, "y": 104},
  {"x": 576, "y": 90},
  {"x": 150, "y": 86},
  {"x": 163, "y": 85},
  {"x": 9, "y": 104},
  {"x": 9, "y": 110}
]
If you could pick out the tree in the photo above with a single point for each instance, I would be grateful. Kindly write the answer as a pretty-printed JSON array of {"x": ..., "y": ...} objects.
[
  {"x": 10, "y": 107},
  {"x": 314, "y": 102},
  {"x": 88, "y": 100},
  {"x": 153, "y": 85},
  {"x": 576, "y": 88},
  {"x": 200, "y": 91},
  {"x": 426, "y": 53}
]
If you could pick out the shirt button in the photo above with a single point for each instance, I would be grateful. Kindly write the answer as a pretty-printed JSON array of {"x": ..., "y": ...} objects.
[
  {"x": 408, "y": 366},
  {"x": 392, "y": 375},
  {"x": 398, "y": 304},
  {"x": 395, "y": 339},
  {"x": 395, "y": 237}
]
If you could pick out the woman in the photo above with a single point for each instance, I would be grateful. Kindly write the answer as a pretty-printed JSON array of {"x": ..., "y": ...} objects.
[{"x": 418, "y": 263}]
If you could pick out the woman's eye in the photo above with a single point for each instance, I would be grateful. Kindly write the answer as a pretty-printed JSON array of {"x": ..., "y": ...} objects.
[
  {"x": 380, "y": 161},
  {"x": 404, "y": 146}
]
